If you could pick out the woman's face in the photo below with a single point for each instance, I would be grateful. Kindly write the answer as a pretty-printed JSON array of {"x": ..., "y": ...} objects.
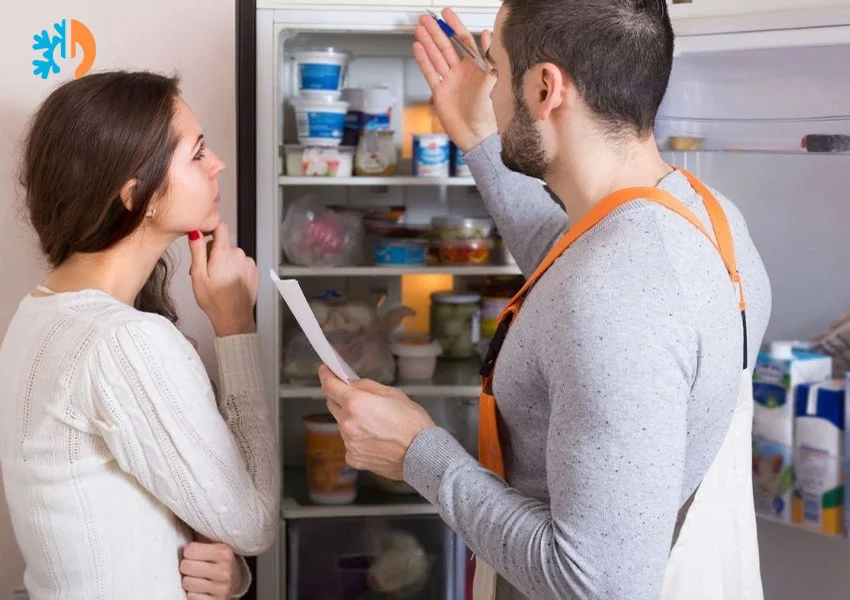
[{"x": 192, "y": 197}]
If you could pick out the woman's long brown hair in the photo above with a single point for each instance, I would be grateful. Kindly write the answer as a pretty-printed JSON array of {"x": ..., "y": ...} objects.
[{"x": 89, "y": 138}]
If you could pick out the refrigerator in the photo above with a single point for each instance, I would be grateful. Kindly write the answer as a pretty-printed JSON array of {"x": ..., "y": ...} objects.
[{"x": 751, "y": 78}]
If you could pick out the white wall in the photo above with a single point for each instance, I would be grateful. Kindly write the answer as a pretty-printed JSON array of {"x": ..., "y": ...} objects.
[{"x": 193, "y": 37}]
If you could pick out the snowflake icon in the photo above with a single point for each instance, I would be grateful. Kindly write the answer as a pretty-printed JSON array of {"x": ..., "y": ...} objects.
[{"x": 47, "y": 45}]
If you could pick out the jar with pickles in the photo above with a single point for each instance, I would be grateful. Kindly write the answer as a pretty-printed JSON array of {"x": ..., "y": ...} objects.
[
  {"x": 456, "y": 323},
  {"x": 496, "y": 294}
]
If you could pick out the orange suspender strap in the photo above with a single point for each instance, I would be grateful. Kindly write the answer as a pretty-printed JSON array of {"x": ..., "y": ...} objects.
[{"x": 489, "y": 449}]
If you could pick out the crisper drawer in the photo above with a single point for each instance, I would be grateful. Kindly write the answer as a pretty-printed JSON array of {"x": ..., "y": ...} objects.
[{"x": 386, "y": 558}]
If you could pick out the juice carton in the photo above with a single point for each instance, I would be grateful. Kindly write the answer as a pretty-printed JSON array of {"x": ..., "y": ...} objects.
[
  {"x": 775, "y": 379},
  {"x": 819, "y": 427}
]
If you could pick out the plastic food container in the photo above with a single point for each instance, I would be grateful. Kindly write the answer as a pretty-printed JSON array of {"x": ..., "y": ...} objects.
[
  {"x": 431, "y": 155},
  {"x": 312, "y": 161},
  {"x": 417, "y": 357},
  {"x": 401, "y": 252},
  {"x": 329, "y": 479},
  {"x": 320, "y": 121},
  {"x": 459, "y": 166},
  {"x": 465, "y": 252},
  {"x": 321, "y": 72},
  {"x": 456, "y": 323},
  {"x": 501, "y": 254},
  {"x": 462, "y": 228}
]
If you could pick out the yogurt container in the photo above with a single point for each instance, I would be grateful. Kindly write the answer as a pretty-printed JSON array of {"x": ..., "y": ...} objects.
[
  {"x": 320, "y": 161},
  {"x": 377, "y": 109},
  {"x": 459, "y": 166},
  {"x": 431, "y": 154},
  {"x": 370, "y": 109},
  {"x": 321, "y": 72},
  {"x": 320, "y": 121},
  {"x": 417, "y": 357}
]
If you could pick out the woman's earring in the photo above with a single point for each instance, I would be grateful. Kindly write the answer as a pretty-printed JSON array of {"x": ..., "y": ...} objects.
[{"x": 151, "y": 213}]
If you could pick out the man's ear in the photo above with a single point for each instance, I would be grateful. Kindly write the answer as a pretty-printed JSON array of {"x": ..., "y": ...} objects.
[{"x": 545, "y": 87}]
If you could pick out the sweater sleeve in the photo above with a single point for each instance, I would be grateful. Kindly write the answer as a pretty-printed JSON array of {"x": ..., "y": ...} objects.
[
  {"x": 214, "y": 465},
  {"x": 529, "y": 219}
]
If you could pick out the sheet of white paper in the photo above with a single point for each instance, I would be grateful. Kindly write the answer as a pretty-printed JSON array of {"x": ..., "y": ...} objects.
[{"x": 294, "y": 297}]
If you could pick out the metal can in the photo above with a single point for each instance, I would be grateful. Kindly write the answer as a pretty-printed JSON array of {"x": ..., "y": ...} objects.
[
  {"x": 431, "y": 155},
  {"x": 459, "y": 166}
]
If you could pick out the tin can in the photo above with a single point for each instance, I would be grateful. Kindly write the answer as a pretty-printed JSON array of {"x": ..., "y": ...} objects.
[{"x": 431, "y": 155}]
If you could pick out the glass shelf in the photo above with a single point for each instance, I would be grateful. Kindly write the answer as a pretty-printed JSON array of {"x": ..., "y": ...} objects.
[
  {"x": 290, "y": 271},
  {"x": 371, "y": 500},
  {"x": 453, "y": 379},
  {"x": 799, "y": 527},
  {"x": 398, "y": 181}
]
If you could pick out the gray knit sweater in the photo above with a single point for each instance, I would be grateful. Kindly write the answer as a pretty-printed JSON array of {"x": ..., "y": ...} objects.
[{"x": 615, "y": 388}]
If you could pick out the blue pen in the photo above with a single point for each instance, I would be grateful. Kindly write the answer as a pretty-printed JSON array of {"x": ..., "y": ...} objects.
[{"x": 450, "y": 33}]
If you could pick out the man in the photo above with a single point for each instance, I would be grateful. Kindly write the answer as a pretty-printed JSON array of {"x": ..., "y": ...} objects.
[{"x": 622, "y": 410}]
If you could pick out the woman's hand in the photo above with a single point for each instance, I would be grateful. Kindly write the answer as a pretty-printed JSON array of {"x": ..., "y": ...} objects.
[
  {"x": 225, "y": 282},
  {"x": 210, "y": 571}
]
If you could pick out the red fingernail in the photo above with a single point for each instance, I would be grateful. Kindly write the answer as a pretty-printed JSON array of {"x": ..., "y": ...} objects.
[{"x": 194, "y": 235}]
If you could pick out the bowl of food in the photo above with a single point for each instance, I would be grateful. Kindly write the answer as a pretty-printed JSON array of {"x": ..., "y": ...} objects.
[{"x": 462, "y": 228}]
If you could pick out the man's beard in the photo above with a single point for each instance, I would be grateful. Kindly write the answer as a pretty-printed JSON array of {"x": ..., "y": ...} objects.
[{"x": 522, "y": 146}]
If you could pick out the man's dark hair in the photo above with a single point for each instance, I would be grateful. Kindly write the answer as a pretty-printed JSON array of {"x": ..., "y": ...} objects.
[{"x": 619, "y": 53}]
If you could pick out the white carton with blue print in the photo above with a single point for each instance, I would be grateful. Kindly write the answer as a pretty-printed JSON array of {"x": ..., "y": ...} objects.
[
  {"x": 775, "y": 380},
  {"x": 819, "y": 422}
]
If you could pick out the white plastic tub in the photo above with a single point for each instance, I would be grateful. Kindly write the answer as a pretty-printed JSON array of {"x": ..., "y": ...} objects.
[
  {"x": 417, "y": 357},
  {"x": 321, "y": 72},
  {"x": 320, "y": 121},
  {"x": 309, "y": 161}
]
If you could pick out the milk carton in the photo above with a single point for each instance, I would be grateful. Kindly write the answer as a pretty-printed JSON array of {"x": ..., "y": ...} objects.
[
  {"x": 819, "y": 427},
  {"x": 775, "y": 379}
]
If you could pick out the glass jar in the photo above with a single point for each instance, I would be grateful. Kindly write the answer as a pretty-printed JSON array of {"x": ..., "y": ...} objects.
[
  {"x": 455, "y": 323},
  {"x": 376, "y": 155},
  {"x": 495, "y": 296}
]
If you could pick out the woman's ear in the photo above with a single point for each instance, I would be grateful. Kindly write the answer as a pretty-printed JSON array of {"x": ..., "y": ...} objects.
[{"x": 127, "y": 193}]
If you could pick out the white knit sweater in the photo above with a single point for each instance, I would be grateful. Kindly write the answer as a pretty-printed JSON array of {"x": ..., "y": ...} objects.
[{"x": 112, "y": 448}]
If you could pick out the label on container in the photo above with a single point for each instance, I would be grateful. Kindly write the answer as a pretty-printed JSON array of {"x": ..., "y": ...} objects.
[
  {"x": 320, "y": 125},
  {"x": 353, "y": 120},
  {"x": 491, "y": 310},
  {"x": 476, "y": 327},
  {"x": 461, "y": 169},
  {"x": 431, "y": 158},
  {"x": 327, "y": 472},
  {"x": 320, "y": 77},
  {"x": 376, "y": 122},
  {"x": 400, "y": 255}
]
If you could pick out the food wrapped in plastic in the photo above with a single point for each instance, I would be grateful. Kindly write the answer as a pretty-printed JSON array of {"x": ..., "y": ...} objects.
[
  {"x": 321, "y": 237},
  {"x": 356, "y": 332},
  {"x": 401, "y": 568},
  {"x": 369, "y": 353}
]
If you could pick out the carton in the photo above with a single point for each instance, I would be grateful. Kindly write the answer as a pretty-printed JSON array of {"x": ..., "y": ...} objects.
[
  {"x": 819, "y": 427},
  {"x": 775, "y": 380}
]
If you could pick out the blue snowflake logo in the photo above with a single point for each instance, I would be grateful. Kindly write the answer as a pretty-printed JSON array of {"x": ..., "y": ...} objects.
[{"x": 47, "y": 44}]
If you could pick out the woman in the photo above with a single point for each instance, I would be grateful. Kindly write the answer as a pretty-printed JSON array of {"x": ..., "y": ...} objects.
[{"x": 113, "y": 447}]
